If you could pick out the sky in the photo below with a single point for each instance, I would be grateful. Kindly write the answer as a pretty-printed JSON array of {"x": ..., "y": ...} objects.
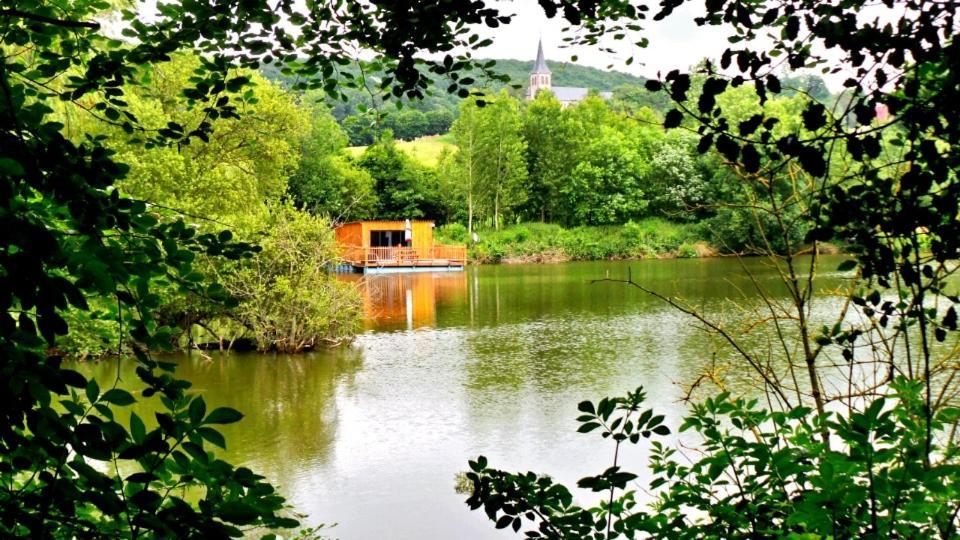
[{"x": 675, "y": 43}]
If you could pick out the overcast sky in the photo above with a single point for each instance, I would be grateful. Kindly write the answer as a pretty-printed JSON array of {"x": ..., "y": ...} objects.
[{"x": 676, "y": 42}]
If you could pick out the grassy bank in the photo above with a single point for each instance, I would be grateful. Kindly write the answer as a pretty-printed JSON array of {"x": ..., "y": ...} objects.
[
  {"x": 542, "y": 242},
  {"x": 426, "y": 150}
]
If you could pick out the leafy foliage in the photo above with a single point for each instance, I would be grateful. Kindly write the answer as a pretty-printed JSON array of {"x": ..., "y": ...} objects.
[
  {"x": 756, "y": 473},
  {"x": 288, "y": 299},
  {"x": 327, "y": 181}
]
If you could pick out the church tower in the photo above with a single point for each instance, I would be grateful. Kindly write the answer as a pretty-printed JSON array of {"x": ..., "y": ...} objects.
[{"x": 540, "y": 76}]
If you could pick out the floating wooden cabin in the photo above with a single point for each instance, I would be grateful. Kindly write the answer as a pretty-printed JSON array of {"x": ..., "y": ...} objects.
[{"x": 396, "y": 246}]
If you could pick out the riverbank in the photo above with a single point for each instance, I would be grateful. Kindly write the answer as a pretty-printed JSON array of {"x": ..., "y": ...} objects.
[{"x": 550, "y": 243}]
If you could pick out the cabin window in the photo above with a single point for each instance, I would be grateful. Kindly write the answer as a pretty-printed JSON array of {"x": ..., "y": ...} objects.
[{"x": 386, "y": 238}]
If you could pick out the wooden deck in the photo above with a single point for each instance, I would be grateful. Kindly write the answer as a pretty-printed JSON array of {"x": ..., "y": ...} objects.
[{"x": 399, "y": 257}]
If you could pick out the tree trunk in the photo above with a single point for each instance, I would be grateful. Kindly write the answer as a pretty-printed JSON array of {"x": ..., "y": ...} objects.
[{"x": 470, "y": 214}]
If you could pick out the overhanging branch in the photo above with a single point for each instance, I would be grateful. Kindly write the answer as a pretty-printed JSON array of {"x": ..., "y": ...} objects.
[{"x": 65, "y": 23}]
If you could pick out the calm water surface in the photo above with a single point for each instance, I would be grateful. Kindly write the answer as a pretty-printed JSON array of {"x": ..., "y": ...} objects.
[{"x": 488, "y": 361}]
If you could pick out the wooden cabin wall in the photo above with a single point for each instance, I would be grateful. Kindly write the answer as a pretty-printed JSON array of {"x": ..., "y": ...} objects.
[
  {"x": 350, "y": 234},
  {"x": 358, "y": 233},
  {"x": 422, "y": 235}
]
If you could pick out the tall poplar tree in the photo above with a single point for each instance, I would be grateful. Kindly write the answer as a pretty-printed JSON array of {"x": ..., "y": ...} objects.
[
  {"x": 466, "y": 162},
  {"x": 503, "y": 168}
]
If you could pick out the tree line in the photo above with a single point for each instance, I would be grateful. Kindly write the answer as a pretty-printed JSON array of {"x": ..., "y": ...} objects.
[{"x": 598, "y": 162}]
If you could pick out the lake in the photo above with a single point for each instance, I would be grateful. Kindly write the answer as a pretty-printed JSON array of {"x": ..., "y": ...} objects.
[{"x": 492, "y": 361}]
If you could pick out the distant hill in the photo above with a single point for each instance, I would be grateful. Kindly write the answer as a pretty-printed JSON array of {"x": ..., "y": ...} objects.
[
  {"x": 564, "y": 74},
  {"x": 438, "y": 101},
  {"x": 567, "y": 74}
]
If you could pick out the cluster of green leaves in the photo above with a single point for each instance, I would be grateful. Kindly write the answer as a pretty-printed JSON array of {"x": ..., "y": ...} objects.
[
  {"x": 326, "y": 180},
  {"x": 288, "y": 301},
  {"x": 509, "y": 499},
  {"x": 404, "y": 187},
  {"x": 755, "y": 474}
]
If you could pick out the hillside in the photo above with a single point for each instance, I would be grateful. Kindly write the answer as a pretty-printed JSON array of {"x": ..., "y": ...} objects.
[
  {"x": 567, "y": 74},
  {"x": 564, "y": 74},
  {"x": 410, "y": 123}
]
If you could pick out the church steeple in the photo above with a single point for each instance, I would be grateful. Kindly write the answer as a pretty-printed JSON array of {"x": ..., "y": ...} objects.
[
  {"x": 540, "y": 66},
  {"x": 540, "y": 77}
]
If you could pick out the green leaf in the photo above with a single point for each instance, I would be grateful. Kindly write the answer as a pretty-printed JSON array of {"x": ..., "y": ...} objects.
[
  {"x": 118, "y": 397},
  {"x": 672, "y": 119},
  {"x": 586, "y": 406},
  {"x": 238, "y": 512},
  {"x": 223, "y": 415},
  {"x": 11, "y": 167},
  {"x": 588, "y": 427},
  {"x": 212, "y": 436},
  {"x": 138, "y": 431},
  {"x": 198, "y": 408},
  {"x": 141, "y": 478},
  {"x": 847, "y": 265},
  {"x": 92, "y": 391}
]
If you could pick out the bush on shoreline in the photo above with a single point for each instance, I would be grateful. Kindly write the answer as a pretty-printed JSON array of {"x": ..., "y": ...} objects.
[{"x": 545, "y": 242}]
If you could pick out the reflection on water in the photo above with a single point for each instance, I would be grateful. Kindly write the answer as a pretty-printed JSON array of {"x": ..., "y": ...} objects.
[
  {"x": 407, "y": 301},
  {"x": 492, "y": 360}
]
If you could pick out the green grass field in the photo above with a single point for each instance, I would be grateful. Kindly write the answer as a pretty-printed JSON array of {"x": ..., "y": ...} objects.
[{"x": 426, "y": 150}]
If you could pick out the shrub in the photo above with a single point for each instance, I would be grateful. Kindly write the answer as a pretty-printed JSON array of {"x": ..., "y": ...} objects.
[
  {"x": 288, "y": 300},
  {"x": 687, "y": 251},
  {"x": 544, "y": 241},
  {"x": 92, "y": 333},
  {"x": 452, "y": 233}
]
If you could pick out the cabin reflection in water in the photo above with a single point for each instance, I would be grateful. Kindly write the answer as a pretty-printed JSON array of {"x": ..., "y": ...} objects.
[{"x": 408, "y": 300}]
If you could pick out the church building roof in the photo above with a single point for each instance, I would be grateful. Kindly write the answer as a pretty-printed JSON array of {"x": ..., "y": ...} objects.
[{"x": 575, "y": 93}]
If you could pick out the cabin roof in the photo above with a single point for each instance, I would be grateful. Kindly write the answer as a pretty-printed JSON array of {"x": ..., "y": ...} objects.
[{"x": 401, "y": 221}]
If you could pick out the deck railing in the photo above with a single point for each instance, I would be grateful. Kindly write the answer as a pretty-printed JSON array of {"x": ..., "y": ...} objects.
[{"x": 405, "y": 256}]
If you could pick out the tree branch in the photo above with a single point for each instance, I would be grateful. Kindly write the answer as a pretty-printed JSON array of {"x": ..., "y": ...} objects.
[{"x": 65, "y": 23}]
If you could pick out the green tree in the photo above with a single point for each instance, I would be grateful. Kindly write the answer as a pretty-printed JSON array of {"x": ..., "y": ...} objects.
[
  {"x": 439, "y": 121},
  {"x": 287, "y": 297},
  {"x": 630, "y": 98},
  {"x": 326, "y": 180},
  {"x": 502, "y": 167},
  {"x": 551, "y": 154},
  {"x": 809, "y": 84},
  {"x": 407, "y": 124},
  {"x": 403, "y": 186},
  {"x": 605, "y": 186},
  {"x": 673, "y": 183},
  {"x": 242, "y": 163},
  {"x": 360, "y": 130},
  {"x": 465, "y": 164}
]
